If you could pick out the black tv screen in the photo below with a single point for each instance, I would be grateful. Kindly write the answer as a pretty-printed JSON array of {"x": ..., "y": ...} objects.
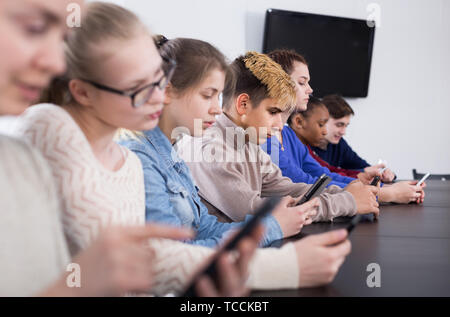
[{"x": 338, "y": 50}]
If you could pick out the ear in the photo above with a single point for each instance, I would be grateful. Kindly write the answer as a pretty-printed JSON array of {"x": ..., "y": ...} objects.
[
  {"x": 168, "y": 94},
  {"x": 299, "y": 121},
  {"x": 81, "y": 92},
  {"x": 242, "y": 104}
]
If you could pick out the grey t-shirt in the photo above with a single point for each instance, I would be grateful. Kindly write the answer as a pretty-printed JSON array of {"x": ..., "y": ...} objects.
[{"x": 33, "y": 250}]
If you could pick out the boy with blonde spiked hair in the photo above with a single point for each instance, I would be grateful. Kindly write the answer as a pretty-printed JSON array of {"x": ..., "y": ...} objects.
[{"x": 255, "y": 104}]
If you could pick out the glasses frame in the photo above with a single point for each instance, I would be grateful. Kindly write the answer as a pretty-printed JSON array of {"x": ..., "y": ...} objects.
[{"x": 161, "y": 84}]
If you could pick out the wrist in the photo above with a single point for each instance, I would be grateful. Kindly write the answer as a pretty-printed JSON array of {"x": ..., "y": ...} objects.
[{"x": 385, "y": 195}]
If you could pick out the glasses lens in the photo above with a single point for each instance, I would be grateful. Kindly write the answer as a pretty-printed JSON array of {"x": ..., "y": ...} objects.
[{"x": 143, "y": 96}]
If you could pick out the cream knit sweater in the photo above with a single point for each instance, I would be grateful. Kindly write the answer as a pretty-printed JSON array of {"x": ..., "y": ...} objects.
[
  {"x": 94, "y": 197},
  {"x": 33, "y": 251}
]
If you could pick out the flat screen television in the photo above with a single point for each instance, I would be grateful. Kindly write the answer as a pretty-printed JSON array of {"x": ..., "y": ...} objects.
[{"x": 338, "y": 50}]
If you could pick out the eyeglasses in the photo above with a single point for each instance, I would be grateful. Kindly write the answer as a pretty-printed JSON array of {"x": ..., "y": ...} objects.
[{"x": 142, "y": 95}]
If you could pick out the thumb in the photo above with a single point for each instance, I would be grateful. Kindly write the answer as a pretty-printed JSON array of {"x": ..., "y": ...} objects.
[
  {"x": 374, "y": 190},
  {"x": 381, "y": 165},
  {"x": 289, "y": 201},
  {"x": 309, "y": 205},
  {"x": 329, "y": 238}
]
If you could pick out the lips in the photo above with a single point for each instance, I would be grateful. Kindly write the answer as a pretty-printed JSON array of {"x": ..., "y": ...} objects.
[
  {"x": 208, "y": 124},
  {"x": 156, "y": 115},
  {"x": 30, "y": 92}
]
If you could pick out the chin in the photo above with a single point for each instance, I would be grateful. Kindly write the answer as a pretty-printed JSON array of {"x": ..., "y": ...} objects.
[
  {"x": 334, "y": 141},
  {"x": 145, "y": 127},
  {"x": 303, "y": 107},
  {"x": 12, "y": 108}
]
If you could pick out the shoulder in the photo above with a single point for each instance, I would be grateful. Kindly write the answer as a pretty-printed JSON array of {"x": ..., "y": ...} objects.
[
  {"x": 18, "y": 155},
  {"x": 343, "y": 143},
  {"x": 142, "y": 150},
  {"x": 49, "y": 122},
  {"x": 14, "y": 147},
  {"x": 46, "y": 113}
]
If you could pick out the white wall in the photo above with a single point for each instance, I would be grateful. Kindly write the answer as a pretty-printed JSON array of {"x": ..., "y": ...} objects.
[{"x": 405, "y": 118}]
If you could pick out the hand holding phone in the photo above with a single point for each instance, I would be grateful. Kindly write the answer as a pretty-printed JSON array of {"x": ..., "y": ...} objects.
[
  {"x": 424, "y": 178},
  {"x": 375, "y": 181},
  {"x": 211, "y": 269},
  {"x": 316, "y": 189}
]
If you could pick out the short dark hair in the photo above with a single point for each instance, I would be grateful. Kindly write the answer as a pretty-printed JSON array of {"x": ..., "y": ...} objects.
[
  {"x": 337, "y": 106},
  {"x": 313, "y": 103},
  {"x": 244, "y": 82},
  {"x": 286, "y": 59}
]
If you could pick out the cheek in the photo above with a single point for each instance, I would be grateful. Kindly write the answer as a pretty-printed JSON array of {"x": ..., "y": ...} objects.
[
  {"x": 302, "y": 92},
  {"x": 118, "y": 112}
]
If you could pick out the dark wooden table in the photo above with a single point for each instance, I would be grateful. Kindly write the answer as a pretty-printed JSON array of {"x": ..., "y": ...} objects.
[{"x": 411, "y": 243}]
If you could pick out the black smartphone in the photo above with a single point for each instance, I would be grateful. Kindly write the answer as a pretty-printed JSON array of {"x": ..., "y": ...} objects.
[
  {"x": 375, "y": 181},
  {"x": 315, "y": 189},
  {"x": 356, "y": 219},
  {"x": 211, "y": 269}
]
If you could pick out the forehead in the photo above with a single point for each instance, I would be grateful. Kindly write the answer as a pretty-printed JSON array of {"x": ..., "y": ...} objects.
[
  {"x": 215, "y": 78},
  {"x": 57, "y": 8},
  {"x": 269, "y": 103},
  {"x": 133, "y": 59},
  {"x": 320, "y": 111},
  {"x": 299, "y": 70},
  {"x": 344, "y": 120}
]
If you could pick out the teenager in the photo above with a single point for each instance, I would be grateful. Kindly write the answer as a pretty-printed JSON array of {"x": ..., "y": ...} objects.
[
  {"x": 334, "y": 149},
  {"x": 171, "y": 195},
  {"x": 291, "y": 156},
  {"x": 296, "y": 159},
  {"x": 310, "y": 127},
  {"x": 239, "y": 174},
  {"x": 192, "y": 95},
  {"x": 99, "y": 183},
  {"x": 30, "y": 226}
]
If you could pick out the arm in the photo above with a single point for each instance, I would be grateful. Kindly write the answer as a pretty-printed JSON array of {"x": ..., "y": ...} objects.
[
  {"x": 333, "y": 169},
  {"x": 161, "y": 208},
  {"x": 334, "y": 201},
  {"x": 314, "y": 168}
]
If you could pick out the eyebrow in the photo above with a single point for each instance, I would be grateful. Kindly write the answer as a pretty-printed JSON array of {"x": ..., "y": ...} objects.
[
  {"x": 51, "y": 17},
  {"x": 275, "y": 108},
  {"x": 212, "y": 88},
  {"x": 135, "y": 84}
]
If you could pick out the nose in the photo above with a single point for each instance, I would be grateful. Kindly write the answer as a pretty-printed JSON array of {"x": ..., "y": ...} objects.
[
  {"x": 157, "y": 96},
  {"x": 309, "y": 91},
  {"x": 216, "y": 108},
  {"x": 50, "y": 58},
  {"x": 278, "y": 124},
  {"x": 324, "y": 130}
]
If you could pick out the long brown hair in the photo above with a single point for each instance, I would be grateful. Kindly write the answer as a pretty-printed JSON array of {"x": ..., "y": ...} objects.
[
  {"x": 101, "y": 22},
  {"x": 194, "y": 58}
]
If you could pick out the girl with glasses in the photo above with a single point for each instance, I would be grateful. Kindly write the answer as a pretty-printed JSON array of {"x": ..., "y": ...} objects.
[{"x": 100, "y": 182}]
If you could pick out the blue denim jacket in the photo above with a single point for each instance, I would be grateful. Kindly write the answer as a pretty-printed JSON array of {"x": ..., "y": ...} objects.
[{"x": 172, "y": 197}]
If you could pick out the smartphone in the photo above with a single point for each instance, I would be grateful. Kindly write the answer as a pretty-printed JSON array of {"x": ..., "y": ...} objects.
[
  {"x": 375, "y": 181},
  {"x": 315, "y": 189},
  {"x": 353, "y": 223},
  {"x": 211, "y": 269},
  {"x": 424, "y": 178}
]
